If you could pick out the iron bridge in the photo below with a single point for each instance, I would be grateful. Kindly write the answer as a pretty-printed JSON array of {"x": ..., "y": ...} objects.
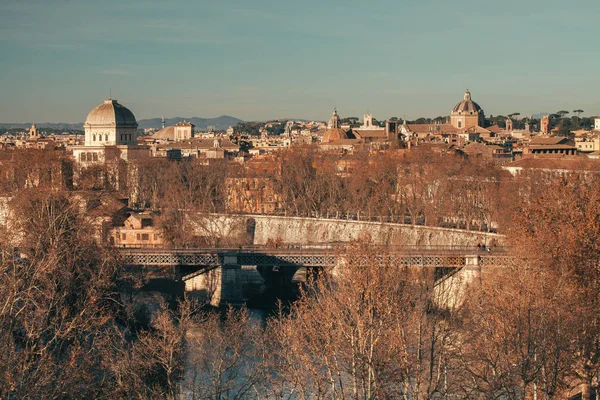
[{"x": 309, "y": 257}]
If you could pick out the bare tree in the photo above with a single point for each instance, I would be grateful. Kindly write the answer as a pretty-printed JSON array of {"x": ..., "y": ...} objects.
[
  {"x": 225, "y": 356},
  {"x": 369, "y": 330}
]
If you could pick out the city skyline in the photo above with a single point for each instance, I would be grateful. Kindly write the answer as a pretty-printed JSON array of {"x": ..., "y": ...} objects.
[{"x": 296, "y": 60}]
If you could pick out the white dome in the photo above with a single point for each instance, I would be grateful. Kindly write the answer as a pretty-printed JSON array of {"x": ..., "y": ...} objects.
[{"x": 111, "y": 113}]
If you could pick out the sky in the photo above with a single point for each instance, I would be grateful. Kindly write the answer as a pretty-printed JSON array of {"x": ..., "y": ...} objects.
[{"x": 266, "y": 59}]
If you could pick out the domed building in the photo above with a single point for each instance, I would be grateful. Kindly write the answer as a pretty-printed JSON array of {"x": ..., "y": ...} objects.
[
  {"x": 110, "y": 134},
  {"x": 467, "y": 113},
  {"x": 334, "y": 132},
  {"x": 336, "y": 138},
  {"x": 181, "y": 131},
  {"x": 110, "y": 124}
]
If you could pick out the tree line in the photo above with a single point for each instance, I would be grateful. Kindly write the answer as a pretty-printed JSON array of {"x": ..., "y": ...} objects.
[{"x": 417, "y": 186}]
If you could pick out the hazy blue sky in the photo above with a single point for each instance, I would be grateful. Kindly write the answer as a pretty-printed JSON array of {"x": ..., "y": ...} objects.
[{"x": 260, "y": 59}]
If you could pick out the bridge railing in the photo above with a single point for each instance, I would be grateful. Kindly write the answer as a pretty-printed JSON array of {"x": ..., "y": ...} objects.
[{"x": 319, "y": 249}]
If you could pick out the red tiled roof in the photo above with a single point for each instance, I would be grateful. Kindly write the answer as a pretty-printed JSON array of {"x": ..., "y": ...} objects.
[
  {"x": 566, "y": 163},
  {"x": 432, "y": 128},
  {"x": 494, "y": 128},
  {"x": 370, "y": 133},
  {"x": 552, "y": 140}
]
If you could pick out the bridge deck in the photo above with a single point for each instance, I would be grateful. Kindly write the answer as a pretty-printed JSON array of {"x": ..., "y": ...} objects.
[{"x": 322, "y": 256}]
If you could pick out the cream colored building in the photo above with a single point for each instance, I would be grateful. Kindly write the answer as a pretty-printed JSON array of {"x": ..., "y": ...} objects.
[
  {"x": 139, "y": 231},
  {"x": 110, "y": 124},
  {"x": 368, "y": 122},
  {"x": 588, "y": 145},
  {"x": 181, "y": 131},
  {"x": 110, "y": 132},
  {"x": 597, "y": 124},
  {"x": 467, "y": 113}
]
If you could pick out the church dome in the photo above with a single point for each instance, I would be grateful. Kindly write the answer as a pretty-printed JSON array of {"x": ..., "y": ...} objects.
[
  {"x": 111, "y": 113},
  {"x": 467, "y": 106},
  {"x": 334, "y": 134}
]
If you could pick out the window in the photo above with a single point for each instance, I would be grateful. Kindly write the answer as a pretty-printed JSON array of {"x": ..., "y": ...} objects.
[
  {"x": 145, "y": 236},
  {"x": 106, "y": 138},
  {"x": 138, "y": 236},
  {"x": 93, "y": 138},
  {"x": 123, "y": 236},
  {"x": 460, "y": 124}
]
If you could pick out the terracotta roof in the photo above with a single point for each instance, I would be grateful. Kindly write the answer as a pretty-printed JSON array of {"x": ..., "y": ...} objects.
[
  {"x": 581, "y": 132},
  {"x": 476, "y": 129},
  {"x": 494, "y": 128},
  {"x": 432, "y": 128},
  {"x": 480, "y": 147},
  {"x": 334, "y": 134},
  {"x": 564, "y": 163},
  {"x": 165, "y": 133},
  {"x": 102, "y": 205},
  {"x": 198, "y": 143},
  {"x": 544, "y": 141},
  {"x": 554, "y": 147},
  {"x": 371, "y": 133},
  {"x": 224, "y": 143}
]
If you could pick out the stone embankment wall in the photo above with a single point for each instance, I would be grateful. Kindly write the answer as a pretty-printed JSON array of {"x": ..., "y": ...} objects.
[{"x": 295, "y": 230}]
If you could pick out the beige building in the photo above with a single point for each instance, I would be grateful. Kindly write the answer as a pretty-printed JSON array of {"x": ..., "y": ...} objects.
[
  {"x": 467, "y": 113},
  {"x": 138, "y": 231},
  {"x": 587, "y": 144},
  {"x": 110, "y": 132},
  {"x": 181, "y": 131},
  {"x": 208, "y": 148},
  {"x": 368, "y": 122},
  {"x": 110, "y": 124}
]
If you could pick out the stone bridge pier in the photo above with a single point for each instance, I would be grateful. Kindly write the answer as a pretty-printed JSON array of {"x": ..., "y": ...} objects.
[
  {"x": 451, "y": 289},
  {"x": 235, "y": 284},
  {"x": 232, "y": 283}
]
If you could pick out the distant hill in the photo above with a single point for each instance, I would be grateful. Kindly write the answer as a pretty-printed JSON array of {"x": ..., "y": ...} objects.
[
  {"x": 220, "y": 123},
  {"x": 43, "y": 125}
]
